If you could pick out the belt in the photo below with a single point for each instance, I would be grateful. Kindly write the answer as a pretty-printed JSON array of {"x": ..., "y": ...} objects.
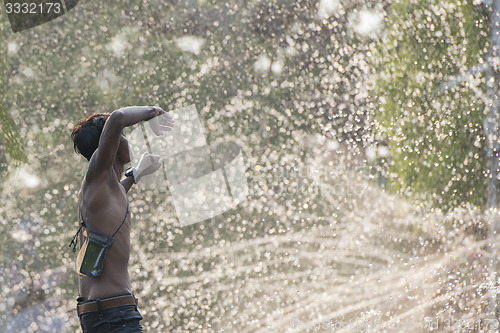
[{"x": 107, "y": 303}]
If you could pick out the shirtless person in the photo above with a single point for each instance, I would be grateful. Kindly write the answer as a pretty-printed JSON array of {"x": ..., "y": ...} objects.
[{"x": 106, "y": 303}]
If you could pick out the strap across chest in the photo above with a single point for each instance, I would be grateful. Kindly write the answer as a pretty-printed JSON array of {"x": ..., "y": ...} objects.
[{"x": 74, "y": 241}]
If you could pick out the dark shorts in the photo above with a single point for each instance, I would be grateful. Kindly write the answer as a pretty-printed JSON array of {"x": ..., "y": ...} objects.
[{"x": 124, "y": 318}]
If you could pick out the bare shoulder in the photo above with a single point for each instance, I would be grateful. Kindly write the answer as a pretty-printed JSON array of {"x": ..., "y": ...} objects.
[{"x": 95, "y": 190}]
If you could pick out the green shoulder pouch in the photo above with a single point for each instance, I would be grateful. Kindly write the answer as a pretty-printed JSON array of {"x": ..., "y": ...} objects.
[
  {"x": 92, "y": 255},
  {"x": 94, "y": 250}
]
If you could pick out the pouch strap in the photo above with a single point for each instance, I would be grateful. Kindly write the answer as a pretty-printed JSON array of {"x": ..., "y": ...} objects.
[
  {"x": 74, "y": 241},
  {"x": 128, "y": 207}
]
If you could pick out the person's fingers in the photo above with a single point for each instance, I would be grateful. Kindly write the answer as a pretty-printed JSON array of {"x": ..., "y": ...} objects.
[
  {"x": 147, "y": 159},
  {"x": 154, "y": 159},
  {"x": 159, "y": 111},
  {"x": 166, "y": 119},
  {"x": 167, "y": 116},
  {"x": 151, "y": 156},
  {"x": 152, "y": 168},
  {"x": 161, "y": 124},
  {"x": 169, "y": 123},
  {"x": 166, "y": 128}
]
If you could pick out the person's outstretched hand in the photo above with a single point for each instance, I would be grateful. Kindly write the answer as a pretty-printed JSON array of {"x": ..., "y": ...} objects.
[
  {"x": 147, "y": 165},
  {"x": 162, "y": 122}
]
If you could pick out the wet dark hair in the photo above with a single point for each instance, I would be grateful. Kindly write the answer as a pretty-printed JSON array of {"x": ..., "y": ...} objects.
[{"x": 87, "y": 132}]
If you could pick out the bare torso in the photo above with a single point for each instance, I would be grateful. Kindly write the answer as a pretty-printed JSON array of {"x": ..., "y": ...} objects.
[
  {"x": 103, "y": 201},
  {"x": 104, "y": 206}
]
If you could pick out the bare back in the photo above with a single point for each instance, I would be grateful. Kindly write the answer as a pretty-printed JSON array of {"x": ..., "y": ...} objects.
[{"x": 103, "y": 205}]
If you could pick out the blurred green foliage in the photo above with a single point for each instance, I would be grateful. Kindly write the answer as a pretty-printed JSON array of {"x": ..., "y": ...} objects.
[{"x": 434, "y": 125}]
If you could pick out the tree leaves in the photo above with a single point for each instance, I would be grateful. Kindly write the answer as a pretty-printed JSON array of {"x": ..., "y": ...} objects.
[{"x": 434, "y": 127}]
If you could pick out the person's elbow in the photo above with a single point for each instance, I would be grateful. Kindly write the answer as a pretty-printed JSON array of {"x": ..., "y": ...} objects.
[{"x": 117, "y": 118}]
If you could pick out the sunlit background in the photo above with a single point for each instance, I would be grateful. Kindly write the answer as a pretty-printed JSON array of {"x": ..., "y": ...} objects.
[{"x": 367, "y": 132}]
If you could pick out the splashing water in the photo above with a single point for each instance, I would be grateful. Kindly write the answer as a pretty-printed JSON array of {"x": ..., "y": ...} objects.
[{"x": 361, "y": 129}]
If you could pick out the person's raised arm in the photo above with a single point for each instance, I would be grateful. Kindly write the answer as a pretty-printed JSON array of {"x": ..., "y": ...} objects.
[
  {"x": 104, "y": 156},
  {"x": 131, "y": 115}
]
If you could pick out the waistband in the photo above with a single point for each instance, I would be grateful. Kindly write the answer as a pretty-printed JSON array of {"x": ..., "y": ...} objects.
[{"x": 100, "y": 304}]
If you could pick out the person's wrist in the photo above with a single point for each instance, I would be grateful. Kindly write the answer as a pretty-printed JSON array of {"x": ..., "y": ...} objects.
[{"x": 130, "y": 173}]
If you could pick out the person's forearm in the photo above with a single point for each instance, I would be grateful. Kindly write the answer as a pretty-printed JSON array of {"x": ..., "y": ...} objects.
[
  {"x": 134, "y": 114},
  {"x": 127, "y": 183}
]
